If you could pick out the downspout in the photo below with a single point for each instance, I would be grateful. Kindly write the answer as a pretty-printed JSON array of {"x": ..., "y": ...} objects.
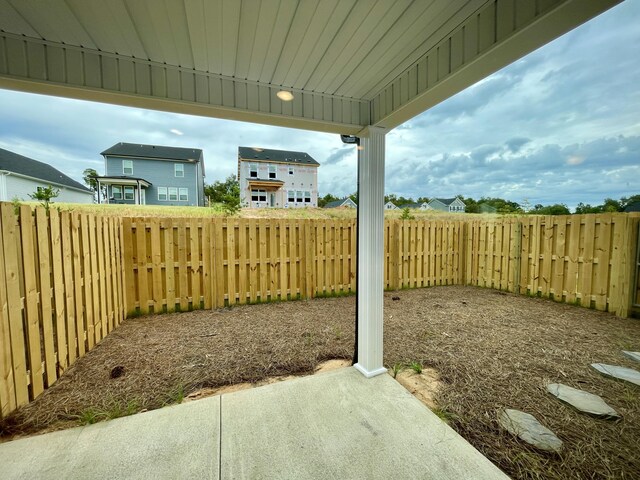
[{"x": 351, "y": 139}]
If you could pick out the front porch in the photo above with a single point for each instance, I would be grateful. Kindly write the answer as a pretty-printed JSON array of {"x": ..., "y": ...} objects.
[{"x": 124, "y": 190}]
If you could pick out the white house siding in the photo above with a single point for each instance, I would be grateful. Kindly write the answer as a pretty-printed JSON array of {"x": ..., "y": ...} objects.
[
  {"x": 12, "y": 186},
  {"x": 304, "y": 179}
]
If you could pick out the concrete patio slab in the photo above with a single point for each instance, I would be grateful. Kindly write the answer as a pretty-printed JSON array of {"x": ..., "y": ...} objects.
[
  {"x": 336, "y": 424},
  {"x": 341, "y": 425},
  {"x": 174, "y": 442}
]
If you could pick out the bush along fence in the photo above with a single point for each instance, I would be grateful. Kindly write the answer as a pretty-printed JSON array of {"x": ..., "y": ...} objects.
[
  {"x": 61, "y": 292},
  {"x": 67, "y": 279}
]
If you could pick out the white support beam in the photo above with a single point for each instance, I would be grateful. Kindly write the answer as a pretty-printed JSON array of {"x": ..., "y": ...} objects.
[{"x": 370, "y": 251}]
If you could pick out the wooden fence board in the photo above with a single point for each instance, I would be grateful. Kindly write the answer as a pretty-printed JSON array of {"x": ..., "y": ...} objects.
[
  {"x": 46, "y": 311},
  {"x": 32, "y": 314},
  {"x": 7, "y": 382},
  {"x": 78, "y": 280},
  {"x": 243, "y": 288},
  {"x": 157, "y": 292},
  {"x": 12, "y": 281}
]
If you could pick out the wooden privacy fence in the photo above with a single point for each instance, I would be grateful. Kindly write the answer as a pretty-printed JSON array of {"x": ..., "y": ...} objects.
[
  {"x": 61, "y": 292},
  {"x": 584, "y": 259},
  {"x": 192, "y": 263},
  {"x": 68, "y": 278}
]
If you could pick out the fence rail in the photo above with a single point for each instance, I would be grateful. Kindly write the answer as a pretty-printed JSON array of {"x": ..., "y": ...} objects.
[{"x": 68, "y": 278}]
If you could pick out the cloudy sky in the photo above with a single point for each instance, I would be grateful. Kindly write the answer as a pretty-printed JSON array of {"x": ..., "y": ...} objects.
[{"x": 562, "y": 125}]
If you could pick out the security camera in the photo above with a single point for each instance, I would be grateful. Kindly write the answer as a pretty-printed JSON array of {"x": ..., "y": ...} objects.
[{"x": 352, "y": 139}]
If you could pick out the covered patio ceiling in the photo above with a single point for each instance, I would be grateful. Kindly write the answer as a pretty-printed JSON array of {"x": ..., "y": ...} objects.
[{"x": 349, "y": 63}]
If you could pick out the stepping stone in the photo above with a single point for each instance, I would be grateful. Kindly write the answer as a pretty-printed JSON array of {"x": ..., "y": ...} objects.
[
  {"x": 621, "y": 373},
  {"x": 584, "y": 401},
  {"x": 528, "y": 428},
  {"x": 632, "y": 355}
]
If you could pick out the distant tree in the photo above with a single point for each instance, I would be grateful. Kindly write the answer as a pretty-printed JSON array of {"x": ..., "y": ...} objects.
[
  {"x": 226, "y": 192},
  {"x": 555, "y": 209},
  {"x": 626, "y": 201},
  {"x": 581, "y": 208},
  {"x": 501, "y": 205},
  {"x": 406, "y": 214},
  {"x": 322, "y": 201},
  {"x": 90, "y": 179},
  {"x": 470, "y": 205},
  {"x": 611, "y": 205},
  {"x": 45, "y": 196},
  {"x": 354, "y": 197},
  {"x": 423, "y": 200}
]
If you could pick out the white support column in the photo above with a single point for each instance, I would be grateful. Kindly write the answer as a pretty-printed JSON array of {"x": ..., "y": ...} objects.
[{"x": 370, "y": 251}]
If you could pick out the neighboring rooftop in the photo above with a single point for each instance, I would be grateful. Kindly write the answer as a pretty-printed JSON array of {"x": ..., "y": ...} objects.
[
  {"x": 339, "y": 203},
  {"x": 446, "y": 201},
  {"x": 154, "y": 151},
  {"x": 12, "y": 162},
  {"x": 267, "y": 154}
]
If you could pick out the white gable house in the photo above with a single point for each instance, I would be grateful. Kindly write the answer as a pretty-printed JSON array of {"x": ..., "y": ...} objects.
[{"x": 277, "y": 178}]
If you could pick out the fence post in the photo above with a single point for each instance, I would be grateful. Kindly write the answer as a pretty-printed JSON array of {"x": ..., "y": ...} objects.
[{"x": 517, "y": 259}]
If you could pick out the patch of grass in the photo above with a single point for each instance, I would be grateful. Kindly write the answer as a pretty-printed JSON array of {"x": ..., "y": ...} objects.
[
  {"x": 396, "y": 369},
  {"x": 90, "y": 416},
  {"x": 175, "y": 396},
  {"x": 308, "y": 338},
  {"x": 335, "y": 294},
  {"x": 445, "y": 415},
  {"x": 115, "y": 409},
  {"x": 337, "y": 333},
  {"x": 416, "y": 367}
]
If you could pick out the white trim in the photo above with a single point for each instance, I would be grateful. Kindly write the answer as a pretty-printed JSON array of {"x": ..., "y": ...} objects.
[{"x": 369, "y": 373}]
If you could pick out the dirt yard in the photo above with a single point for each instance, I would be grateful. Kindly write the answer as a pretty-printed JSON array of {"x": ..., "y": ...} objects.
[{"x": 483, "y": 349}]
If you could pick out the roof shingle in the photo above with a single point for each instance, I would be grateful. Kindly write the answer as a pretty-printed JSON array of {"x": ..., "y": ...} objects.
[{"x": 267, "y": 154}]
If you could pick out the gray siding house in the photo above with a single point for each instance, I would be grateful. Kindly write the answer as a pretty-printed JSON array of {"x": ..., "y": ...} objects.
[
  {"x": 452, "y": 205},
  {"x": 153, "y": 175},
  {"x": 22, "y": 176}
]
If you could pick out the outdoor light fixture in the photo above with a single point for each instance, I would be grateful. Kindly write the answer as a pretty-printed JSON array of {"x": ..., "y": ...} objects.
[
  {"x": 285, "y": 95},
  {"x": 350, "y": 139}
]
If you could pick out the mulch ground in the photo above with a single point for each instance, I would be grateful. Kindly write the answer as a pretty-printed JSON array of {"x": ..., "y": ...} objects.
[{"x": 492, "y": 350}]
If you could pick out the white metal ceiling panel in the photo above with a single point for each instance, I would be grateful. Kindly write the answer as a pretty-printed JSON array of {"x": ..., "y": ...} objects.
[{"x": 346, "y": 61}]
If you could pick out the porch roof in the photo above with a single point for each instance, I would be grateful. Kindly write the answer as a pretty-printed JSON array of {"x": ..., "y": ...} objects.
[
  {"x": 123, "y": 180},
  {"x": 348, "y": 63}
]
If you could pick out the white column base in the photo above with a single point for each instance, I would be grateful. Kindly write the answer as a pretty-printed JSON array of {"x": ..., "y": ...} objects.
[{"x": 367, "y": 373}]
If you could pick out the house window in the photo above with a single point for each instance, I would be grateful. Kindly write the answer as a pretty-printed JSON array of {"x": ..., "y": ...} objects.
[
  {"x": 127, "y": 167},
  {"x": 290, "y": 170},
  {"x": 299, "y": 196},
  {"x": 272, "y": 171},
  {"x": 253, "y": 170},
  {"x": 178, "y": 169},
  {"x": 291, "y": 196},
  {"x": 116, "y": 192},
  {"x": 128, "y": 193},
  {"x": 162, "y": 194},
  {"x": 307, "y": 197},
  {"x": 258, "y": 195},
  {"x": 173, "y": 194},
  {"x": 184, "y": 194}
]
